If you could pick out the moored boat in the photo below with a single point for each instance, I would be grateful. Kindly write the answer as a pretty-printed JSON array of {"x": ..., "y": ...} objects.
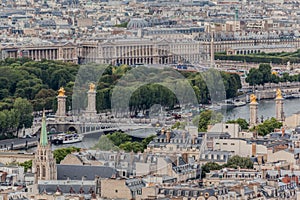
[
  {"x": 66, "y": 138},
  {"x": 238, "y": 103}
]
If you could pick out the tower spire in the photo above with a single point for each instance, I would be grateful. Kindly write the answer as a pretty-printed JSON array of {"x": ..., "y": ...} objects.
[
  {"x": 212, "y": 51},
  {"x": 43, "y": 137}
]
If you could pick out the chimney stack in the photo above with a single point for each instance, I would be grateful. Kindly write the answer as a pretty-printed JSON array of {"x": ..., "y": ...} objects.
[
  {"x": 282, "y": 132},
  {"x": 193, "y": 139},
  {"x": 162, "y": 131},
  {"x": 184, "y": 135},
  {"x": 168, "y": 135},
  {"x": 177, "y": 160}
]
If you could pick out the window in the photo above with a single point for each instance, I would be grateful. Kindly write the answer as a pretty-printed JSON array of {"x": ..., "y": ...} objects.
[
  {"x": 232, "y": 143},
  {"x": 116, "y": 191},
  {"x": 224, "y": 143},
  {"x": 186, "y": 193},
  {"x": 226, "y": 126}
]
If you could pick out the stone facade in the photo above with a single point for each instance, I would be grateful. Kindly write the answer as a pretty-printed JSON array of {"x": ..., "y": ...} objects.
[
  {"x": 91, "y": 112},
  {"x": 253, "y": 113},
  {"x": 279, "y": 109},
  {"x": 112, "y": 188},
  {"x": 61, "y": 107}
]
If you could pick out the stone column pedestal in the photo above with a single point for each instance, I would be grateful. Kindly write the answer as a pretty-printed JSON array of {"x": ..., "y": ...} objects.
[
  {"x": 91, "y": 112},
  {"x": 253, "y": 114},
  {"x": 61, "y": 108},
  {"x": 279, "y": 109}
]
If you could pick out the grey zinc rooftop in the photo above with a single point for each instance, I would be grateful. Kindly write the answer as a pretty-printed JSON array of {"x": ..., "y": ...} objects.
[{"x": 79, "y": 172}]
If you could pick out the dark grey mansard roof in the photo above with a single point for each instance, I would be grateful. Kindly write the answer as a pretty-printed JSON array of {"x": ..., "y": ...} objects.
[
  {"x": 76, "y": 172},
  {"x": 66, "y": 189}
]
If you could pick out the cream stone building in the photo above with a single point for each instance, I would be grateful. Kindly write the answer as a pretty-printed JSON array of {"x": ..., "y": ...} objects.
[
  {"x": 240, "y": 147},
  {"x": 66, "y": 52},
  {"x": 287, "y": 155},
  {"x": 134, "y": 50},
  {"x": 292, "y": 121}
]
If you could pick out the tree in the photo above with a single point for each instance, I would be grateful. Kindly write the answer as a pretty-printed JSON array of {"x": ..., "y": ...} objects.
[
  {"x": 254, "y": 77},
  {"x": 206, "y": 118},
  {"x": 207, "y": 167},
  {"x": 237, "y": 161},
  {"x": 242, "y": 123},
  {"x": 268, "y": 126},
  {"x": 179, "y": 125},
  {"x": 24, "y": 109},
  {"x": 60, "y": 154},
  {"x": 119, "y": 138},
  {"x": 147, "y": 140},
  {"x": 27, "y": 165},
  {"x": 9, "y": 121},
  {"x": 132, "y": 146},
  {"x": 105, "y": 144},
  {"x": 266, "y": 71}
]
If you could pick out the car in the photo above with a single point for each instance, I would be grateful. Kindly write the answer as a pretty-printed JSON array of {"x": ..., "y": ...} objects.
[{"x": 27, "y": 136}]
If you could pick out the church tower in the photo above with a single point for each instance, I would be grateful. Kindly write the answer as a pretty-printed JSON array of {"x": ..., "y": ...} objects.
[{"x": 44, "y": 164}]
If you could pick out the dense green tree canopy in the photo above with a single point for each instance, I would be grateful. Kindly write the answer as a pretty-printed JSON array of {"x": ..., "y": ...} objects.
[
  {"x": 237, "y": 161},
  {"x": 35, "y": 81},
  {"x": 118, "y": 140},
  {"x": 27, "y": 86},
  {"x": 60, "y": 154},
  {"x": 242, "y": 122},
  {"x": 207, "y": 167},
  {"x": 105, "y": 144},
  {"x": 233, "y": 162},
  {"x": 263, "y": 75},
  {"x": 38, "y": 82},
  {"x": 207, "y": 117},
  {"x": 27, "y": 165},
  {"x": 278, "y": 58},
  {"x": 267, "y": 126}
]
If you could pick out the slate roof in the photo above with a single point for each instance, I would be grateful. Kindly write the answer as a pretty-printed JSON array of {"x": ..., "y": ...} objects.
[
  {"x": 69, "y": 189},
  {"x": 76, "y": 172}
]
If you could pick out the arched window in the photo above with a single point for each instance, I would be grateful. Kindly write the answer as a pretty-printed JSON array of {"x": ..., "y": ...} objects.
[
  {"x": 43, "y": 172},
  {"x": 38, "y": 170}
]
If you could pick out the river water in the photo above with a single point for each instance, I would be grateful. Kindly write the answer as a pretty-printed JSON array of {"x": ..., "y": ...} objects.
[{"x": 266, "y": 108}]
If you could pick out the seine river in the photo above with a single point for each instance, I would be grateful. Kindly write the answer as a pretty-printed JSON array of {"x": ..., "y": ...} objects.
[{"x": 266, "y": 108}]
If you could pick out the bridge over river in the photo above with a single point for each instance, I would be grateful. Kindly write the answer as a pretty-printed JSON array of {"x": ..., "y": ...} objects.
[{"x": 85, "y": 129}]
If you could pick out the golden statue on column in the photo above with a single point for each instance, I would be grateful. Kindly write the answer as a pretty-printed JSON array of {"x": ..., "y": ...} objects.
[
  {"x": 253, "y": 98},
  {"x": 92, "y": 87},
  {"x": 61, "y": 92},
  {"x": 278, "y": 94}
]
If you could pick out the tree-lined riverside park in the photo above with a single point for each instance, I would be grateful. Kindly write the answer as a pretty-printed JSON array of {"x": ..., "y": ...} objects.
[
  {"x": 27, "y": 86},
  {"x": 276, "y": 58}
]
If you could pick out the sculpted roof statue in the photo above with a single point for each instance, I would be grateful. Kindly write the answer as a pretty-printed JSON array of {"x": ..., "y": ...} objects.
[
  {"x": 253, "y": 98},
  {"x": 61, "y": 92},
  {"x": 92, "y": 87},
  {"x": 278, "y": 94}
]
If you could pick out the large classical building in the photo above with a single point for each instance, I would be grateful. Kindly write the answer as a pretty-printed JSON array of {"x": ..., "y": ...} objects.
[
  {"x": 133, "y": 51},
  {"x": 66, "y": 52},
  {"x": 142, "y": 49}
]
